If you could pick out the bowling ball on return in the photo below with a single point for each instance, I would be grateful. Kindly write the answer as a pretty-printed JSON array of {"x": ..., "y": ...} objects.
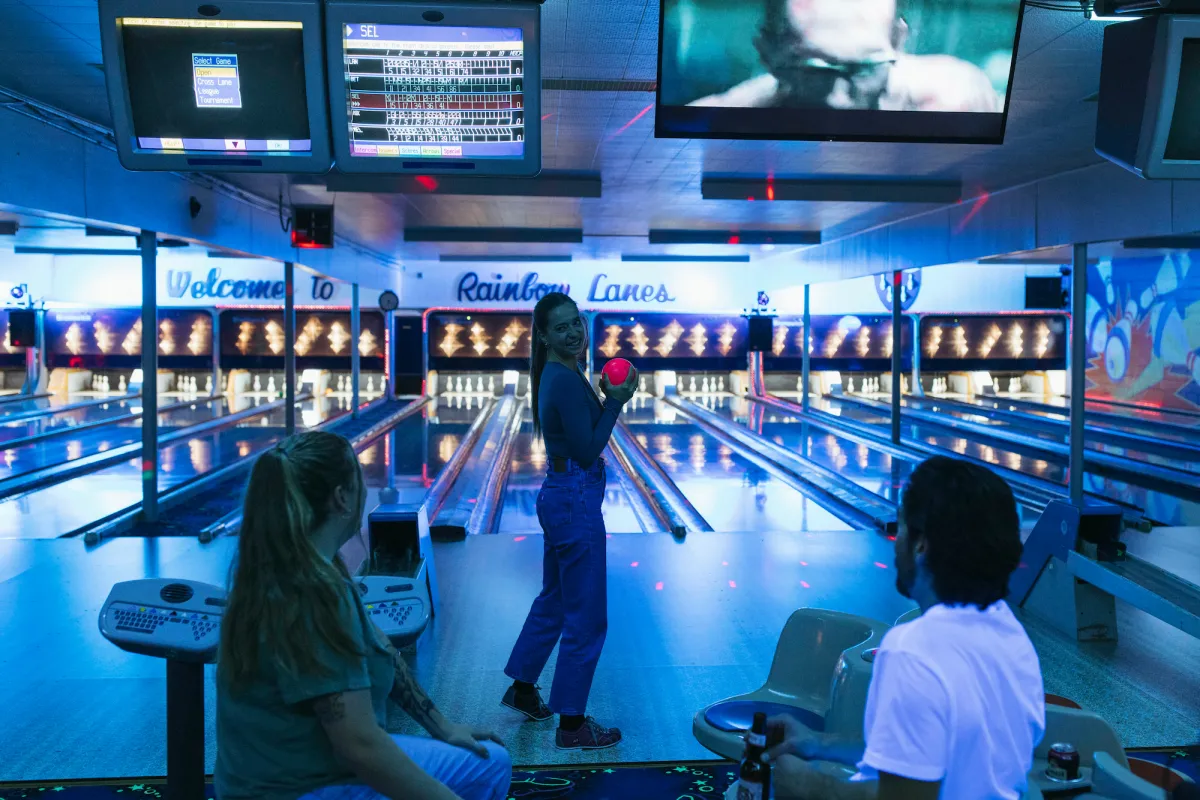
[{"x": 617, "y": 371}]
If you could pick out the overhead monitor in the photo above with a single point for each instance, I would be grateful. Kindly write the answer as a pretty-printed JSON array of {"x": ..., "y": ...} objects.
[
  {"x": 234, "y": 87},
  {"x": 848, "y": 70},
  {"x": 448, "y": 88},
  {"x": 1148, "y": 119}
]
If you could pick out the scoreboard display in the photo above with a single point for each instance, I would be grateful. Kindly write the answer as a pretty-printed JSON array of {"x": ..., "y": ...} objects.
[
  {"x": 434, "y": 93},
  {"x": 449, "y": 88}
]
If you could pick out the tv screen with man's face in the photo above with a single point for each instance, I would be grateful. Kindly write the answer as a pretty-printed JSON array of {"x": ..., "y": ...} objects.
[{"x": 837, "y": 69}]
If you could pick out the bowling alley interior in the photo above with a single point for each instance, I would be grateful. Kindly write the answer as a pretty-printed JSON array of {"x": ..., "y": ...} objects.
[{"x": 817, "y": 248}]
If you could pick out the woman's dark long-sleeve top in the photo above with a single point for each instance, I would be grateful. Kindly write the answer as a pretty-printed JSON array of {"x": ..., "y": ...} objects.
[{"x": 575, "y": 424}]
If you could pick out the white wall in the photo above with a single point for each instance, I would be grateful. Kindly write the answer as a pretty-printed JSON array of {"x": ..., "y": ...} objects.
[
  {"x": 728, "y": 287},
  {"x": 184, "y": 280}
]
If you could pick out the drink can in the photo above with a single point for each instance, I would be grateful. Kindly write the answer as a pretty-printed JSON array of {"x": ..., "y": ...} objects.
[{"x": 1064, "y": 762}]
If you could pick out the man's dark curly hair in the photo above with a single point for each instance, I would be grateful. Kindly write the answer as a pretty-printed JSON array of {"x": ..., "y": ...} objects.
[{"x": 968, "y": 518}]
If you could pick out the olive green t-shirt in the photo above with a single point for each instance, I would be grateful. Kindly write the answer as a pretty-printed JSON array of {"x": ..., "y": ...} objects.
[{"x": 270, "y": 745}]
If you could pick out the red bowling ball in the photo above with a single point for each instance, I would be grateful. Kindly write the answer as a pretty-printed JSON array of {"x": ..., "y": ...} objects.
[{"x": 617, "y": 371}]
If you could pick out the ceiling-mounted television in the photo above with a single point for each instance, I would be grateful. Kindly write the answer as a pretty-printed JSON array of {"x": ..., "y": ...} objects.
[
  {"x": 236, "y": 86},
  {"x": 836, "y": 70},
  {"x": 435, "y": 88},
  {"x": 1148, "y": 119}
]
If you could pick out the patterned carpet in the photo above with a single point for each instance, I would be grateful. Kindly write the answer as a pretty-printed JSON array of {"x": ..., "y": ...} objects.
[{"x": 691, "y": 781}]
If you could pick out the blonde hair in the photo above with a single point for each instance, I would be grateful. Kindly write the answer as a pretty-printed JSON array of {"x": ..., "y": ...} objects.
[{"x": 284, "y": 596}]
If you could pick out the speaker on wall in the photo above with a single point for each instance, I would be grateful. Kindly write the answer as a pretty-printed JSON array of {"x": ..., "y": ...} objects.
[
  {"x": 762, "y": 331},
  {"x": 22, "y": 328}
]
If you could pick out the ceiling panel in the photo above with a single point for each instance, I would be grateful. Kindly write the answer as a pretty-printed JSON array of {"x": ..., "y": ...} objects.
[{"x": 648, "y": 183}]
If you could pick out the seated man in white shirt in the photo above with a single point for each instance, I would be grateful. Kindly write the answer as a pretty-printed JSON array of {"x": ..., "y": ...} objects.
[{"x": 956, "y": 704}]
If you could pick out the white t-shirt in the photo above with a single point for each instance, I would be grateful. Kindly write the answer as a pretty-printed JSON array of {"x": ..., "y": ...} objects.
[{"x": 956, "y": 696}]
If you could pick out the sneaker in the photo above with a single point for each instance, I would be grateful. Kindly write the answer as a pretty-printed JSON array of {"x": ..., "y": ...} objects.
[
  {"x": 590, "y": 736},
  {"x": 532, "y": 707}
]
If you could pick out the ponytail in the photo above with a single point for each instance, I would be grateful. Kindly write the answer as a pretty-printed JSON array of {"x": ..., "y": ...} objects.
[
  {"x": 285, "y": 598},
  {"x": 538, "y": 351}
]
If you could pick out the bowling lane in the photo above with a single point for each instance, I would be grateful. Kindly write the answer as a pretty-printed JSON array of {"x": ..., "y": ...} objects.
[
  {"x": 729, "y": 492},
  {"x": 1188, "y": 428},
  {"x": 52, "y": 403},
  {"x": 21, "y": 459},
  {"x": 519, "y": 514},
  {"x": 1004, "y": 426},
  {"x": 64, "y": 507},
  {"x": 871, "y": 469},
  {"x": 1161, "y": 508}
]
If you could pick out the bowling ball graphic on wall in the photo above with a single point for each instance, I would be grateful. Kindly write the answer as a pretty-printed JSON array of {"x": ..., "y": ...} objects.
[
  {"x": 910, "y": 287},
  {"x": 1143, "y": 330}
]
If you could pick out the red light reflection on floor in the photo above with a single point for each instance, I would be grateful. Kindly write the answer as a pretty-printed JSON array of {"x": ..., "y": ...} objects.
[
  {"x": 733, "y": 584},
  {"x": 724, "y": 563},
  {"x": 634, "y": 564},
  {"x": 805, "y": 584},
  {"x": 881, "y": 565},
  {"x": 804, "y": 563},
  {"x": 658, "y": 586},
  {"x": 519, "y": 539},
  {"x": 629, "y": 124}
]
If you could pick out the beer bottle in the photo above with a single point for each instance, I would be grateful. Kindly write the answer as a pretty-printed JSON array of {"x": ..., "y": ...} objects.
[{"x": 754, "y": 776}]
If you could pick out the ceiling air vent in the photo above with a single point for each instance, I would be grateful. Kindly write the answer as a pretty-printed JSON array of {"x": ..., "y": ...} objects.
[{"x": 576, "y": 85}]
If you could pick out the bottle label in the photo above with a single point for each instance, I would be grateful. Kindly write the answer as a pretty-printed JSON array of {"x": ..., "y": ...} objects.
[
  {"x": 757, "y": 739},
  {"x": 750, "y": 791}
]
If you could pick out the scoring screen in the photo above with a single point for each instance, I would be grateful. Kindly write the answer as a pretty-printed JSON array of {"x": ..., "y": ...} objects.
[
  {"x": 420, "y": 92},
  {"x": 231, "y": 86}
]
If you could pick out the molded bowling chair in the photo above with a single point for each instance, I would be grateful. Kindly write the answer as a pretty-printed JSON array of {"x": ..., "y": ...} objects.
[
  {"x": 1087, "y": 732},
  {"x": 819, "y": 676},
  {"x": 908, "y": 616},
  {"x": 1115, "y": 782}
]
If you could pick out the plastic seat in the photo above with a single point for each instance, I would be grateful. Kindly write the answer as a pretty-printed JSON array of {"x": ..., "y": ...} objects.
[
  {"x": 1088, "y": 733},
  {"x": 908, "y": 616},
  {"x": 819, "y": 675},
  {"x": 1114, "y": 781}
]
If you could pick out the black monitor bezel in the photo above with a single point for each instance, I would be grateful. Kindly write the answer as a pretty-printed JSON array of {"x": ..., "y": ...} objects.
[
  {"x": 764, "y": 124},
  {"x": 516, "y": 14},
  {"x": 132, "y": 157}
]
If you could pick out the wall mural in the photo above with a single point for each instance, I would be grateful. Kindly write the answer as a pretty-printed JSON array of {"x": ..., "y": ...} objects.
[{"x": 1143, "y": 330}]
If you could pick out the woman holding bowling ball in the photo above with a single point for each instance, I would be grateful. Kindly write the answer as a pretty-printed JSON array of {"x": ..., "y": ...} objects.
[{"x": 575, "y": 426}]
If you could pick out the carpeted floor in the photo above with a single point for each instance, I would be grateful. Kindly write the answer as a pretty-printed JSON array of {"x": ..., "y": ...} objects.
[{"x": 688, "y": 781}]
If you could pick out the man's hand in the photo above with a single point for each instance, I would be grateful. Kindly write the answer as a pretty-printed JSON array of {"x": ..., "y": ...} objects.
[
  {"x": 469, "y": 738},
  {"x": 795, "y": 739}
]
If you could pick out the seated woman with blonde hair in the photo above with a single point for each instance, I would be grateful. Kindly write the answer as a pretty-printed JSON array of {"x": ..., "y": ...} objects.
[{"x": 304, "y": 676}]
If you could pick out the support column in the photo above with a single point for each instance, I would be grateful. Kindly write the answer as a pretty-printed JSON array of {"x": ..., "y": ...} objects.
[
  {"x": 216, "y": 353},
  {"x": 289, "y": 346},
  {"x": 804, "y": 355},
  {"x": 148, "y": 243},
  {"x": 355, "y": 333},
  {"x": 1078, "y": 370},
  {"x": 389, "y": 355},
  {"x": 897, "y": 322}
]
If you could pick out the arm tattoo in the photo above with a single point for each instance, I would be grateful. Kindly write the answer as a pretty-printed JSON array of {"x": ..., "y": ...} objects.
[
  {"x": 409, "y": 695},
  {"x": 330, "y": 708}
]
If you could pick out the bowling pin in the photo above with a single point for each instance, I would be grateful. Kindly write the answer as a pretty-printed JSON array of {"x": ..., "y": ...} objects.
[
  {"x": 458, "y": 385},
  {"x": 1116, "y": 349},
  {"x": 800, "y": 383},
  {"x": 257, "y": 383},
  {"x": 208, "y": 385},
  {"x": 271, "y": 385},
  {"x": 849, "y": 385},
  {"x": 704, "y": 386},
  {"x": 121, "y": 385},
  {"x": 491, "y": 384},
  {"x": 642, "y": 385},
  {"x": 721, "y": 384},
  {"x": 1170, "y": 334},
  {"x": 105, "y": 383},
  {"x": 1166, "y": 282},
  {"x": 479, "y": 385},
  {"x": 371, "y": 384},
  {"x": 1104, "y": 268}
]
